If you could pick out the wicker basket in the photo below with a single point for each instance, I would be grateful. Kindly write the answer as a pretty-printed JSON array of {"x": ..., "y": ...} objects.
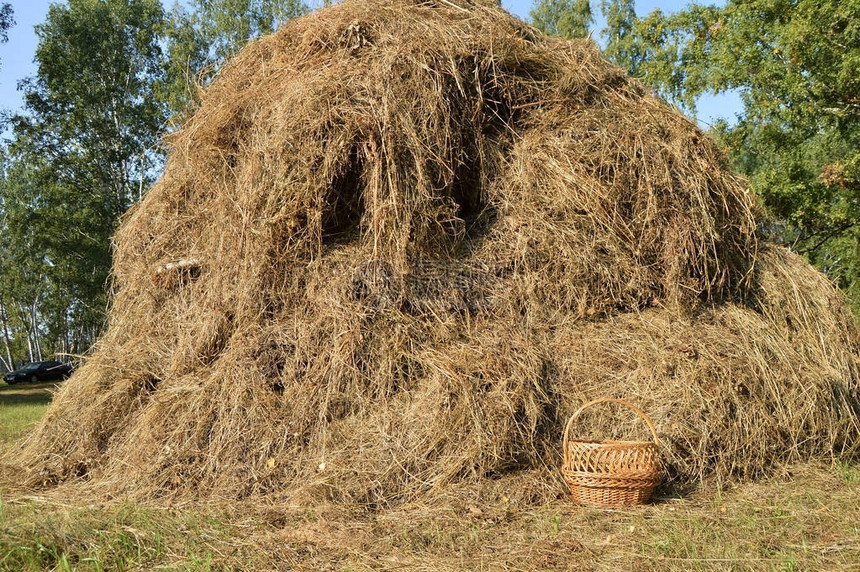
[{"x": 611, "y": 473}]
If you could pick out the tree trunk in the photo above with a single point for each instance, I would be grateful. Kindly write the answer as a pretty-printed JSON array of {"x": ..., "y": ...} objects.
[
  {"x": 4, "y": 317},
  {"x": 34, "y": 327},
  {"x": 30, "y": 354},
  {"x": 28, "y": 319}
]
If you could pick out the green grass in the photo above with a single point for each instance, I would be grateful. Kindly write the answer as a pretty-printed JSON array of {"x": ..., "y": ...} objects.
[
  {"x": 807, "y": 520},
  {"x": 21, "y": 406},
  {"x": 36, "y": 534}
]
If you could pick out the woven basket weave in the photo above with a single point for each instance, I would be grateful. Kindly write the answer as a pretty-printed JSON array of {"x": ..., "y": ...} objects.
[{"x": 610, "y": 474}]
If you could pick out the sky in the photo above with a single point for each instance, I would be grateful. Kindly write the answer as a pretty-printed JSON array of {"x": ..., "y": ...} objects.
[{"x": 16, "y": 56}]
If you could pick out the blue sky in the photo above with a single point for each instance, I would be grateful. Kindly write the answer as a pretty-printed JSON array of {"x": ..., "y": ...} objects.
[{"x": 16, "y": 56}]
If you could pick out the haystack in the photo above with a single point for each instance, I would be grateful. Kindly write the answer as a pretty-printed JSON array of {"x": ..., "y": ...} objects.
[{"x": 399, "y": 242}]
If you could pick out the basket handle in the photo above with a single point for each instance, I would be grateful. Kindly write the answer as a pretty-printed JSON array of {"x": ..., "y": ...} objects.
[{"x": 604, "y": 400}]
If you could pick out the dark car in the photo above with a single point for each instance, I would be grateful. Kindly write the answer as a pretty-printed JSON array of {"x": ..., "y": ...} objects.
[{"x": 40, "y": 371}]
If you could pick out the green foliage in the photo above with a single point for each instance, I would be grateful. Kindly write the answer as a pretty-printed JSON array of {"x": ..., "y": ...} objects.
[
  {"x": 622, "y": 45},
  {"x": 673, "y": 61},
  {"x": 111, "y": 74},
  {"x": 23, "y": 287},
  {"x": 200, "y": 40},
  {"x": 225, "y": 26},
  {"x": 565, "y": 18},
  {"x": 7, "y": 20},
  {"x": 796, "y": 64},
  {"x": 86, "y": 149},
  {"x": 186, "y": 64}
]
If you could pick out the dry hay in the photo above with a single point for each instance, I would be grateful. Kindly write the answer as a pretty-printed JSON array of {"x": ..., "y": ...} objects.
[{"x": 399, "y": 241}]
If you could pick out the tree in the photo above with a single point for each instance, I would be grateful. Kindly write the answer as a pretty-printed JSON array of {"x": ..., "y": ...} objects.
[
  {"x": 87, "y": 147},
  {"x": 565, "y": 18},
  {"x": 6, "y": 326},
  {"x": 225, "y": 26},
  {"x": 202, "y": 38},
  {"x": 187, "y": 63},
  {"x": 622, "y": 44},
  {"x": 23, "y": 285},
  {"x": 796, "y": 64},
  {"x": 85, "y": 150},
  {"x": 7, "y": 20}
]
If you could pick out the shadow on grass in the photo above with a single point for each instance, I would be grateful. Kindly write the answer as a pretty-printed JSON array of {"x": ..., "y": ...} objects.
[{"x": 27, "y": 394}]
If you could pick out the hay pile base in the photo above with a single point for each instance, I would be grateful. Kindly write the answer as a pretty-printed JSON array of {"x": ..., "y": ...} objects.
[{"x": 400, "y": 241}]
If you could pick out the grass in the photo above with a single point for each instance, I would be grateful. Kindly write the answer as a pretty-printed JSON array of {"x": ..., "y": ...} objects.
[
  {"x": 21, "y": 406},
  {"x": 42, "y": 535},
  {"x": 807, "y": 519}
]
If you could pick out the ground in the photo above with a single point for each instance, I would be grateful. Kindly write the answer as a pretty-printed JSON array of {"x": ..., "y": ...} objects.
[{"x": 807, "y": 518}]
